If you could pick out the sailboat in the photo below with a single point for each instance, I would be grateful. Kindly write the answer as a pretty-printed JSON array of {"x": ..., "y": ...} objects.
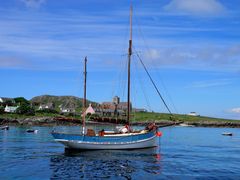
[{"x": 88, "y": 139}]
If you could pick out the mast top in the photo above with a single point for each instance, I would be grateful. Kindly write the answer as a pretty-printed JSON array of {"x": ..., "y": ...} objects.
[
  {"x": 131, "y": 11},
  {"x": 129, "y": 66},
  {"x": 130, "y": 35}
]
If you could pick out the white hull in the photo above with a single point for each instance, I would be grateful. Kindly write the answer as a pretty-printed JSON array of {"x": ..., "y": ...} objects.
[{"x": 146, "y": 143}]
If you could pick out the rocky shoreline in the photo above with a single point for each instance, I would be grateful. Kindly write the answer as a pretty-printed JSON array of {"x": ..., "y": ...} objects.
[
  {"x": 216, "y": 124},
  {"x": 52, "y": 121},
  {"x": 165, "y": 123},
  {"x": 35, "y": 121}
]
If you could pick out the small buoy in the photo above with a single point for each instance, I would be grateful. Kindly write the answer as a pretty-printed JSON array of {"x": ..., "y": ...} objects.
[
  {"x": 31, "y": 131},
  {"x": 159, "y": 133},
  {"x": 158, "y": 156},
  {"x": 227, "y": 134},
  {"x": 4, "y": 128}
]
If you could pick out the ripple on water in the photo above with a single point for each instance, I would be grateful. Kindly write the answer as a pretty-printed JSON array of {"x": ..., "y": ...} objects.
[
  {"x": 121, "y": 164},
  {"x": 186, "y": 153}
]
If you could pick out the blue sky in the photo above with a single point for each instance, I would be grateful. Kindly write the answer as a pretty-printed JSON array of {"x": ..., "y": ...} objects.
[{"x": 191, "y": 48}]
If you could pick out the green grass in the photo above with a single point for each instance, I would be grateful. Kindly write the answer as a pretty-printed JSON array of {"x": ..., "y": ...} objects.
[
  {"x": 149, "y": 116},
  {"x": 14, "y": 116}
]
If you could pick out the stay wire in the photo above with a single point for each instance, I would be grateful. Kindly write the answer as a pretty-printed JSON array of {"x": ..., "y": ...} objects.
[
  {"x": 145, "y": 68},
  {"x": 142, "y": 86},
  {"x": 148, "y": 49},
  {"x": 119, "y": 84}
]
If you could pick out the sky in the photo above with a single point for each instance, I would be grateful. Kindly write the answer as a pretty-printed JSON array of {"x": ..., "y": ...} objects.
[{"x": 191, "y": 49}]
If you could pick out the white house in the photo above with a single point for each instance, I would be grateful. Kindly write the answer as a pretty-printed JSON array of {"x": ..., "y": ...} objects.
[
  {"x": 67, "y": 110},
  {"x": 11, "y": 109},
  {"x": 139, "y": 110},
  {"x": 46, "y": 106},
  {"x": 193, "y": 114}
]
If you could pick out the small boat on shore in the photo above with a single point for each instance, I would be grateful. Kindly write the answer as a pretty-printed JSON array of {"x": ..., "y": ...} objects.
[
  {"x": 4, "y": 128},
  {"x": 227, "y": 134}
]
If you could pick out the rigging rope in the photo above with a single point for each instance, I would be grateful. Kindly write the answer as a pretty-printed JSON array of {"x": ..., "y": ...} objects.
[
  {"x": 142, "y": 86},
  {"x": 145, "y": 68},
  {"x": 148, "y": 50}
]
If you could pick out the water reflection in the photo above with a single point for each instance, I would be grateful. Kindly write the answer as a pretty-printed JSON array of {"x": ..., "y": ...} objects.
[{"x": 106, "y": 164}]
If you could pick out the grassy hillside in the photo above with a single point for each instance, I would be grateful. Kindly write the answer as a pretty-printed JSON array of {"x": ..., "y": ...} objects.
[{"x": 69, "y": 101}]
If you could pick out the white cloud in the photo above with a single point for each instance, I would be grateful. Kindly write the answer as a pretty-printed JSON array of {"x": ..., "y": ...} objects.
[
  {"x": 153, "y": 54},
  {"x": 210, "y": 83},
  {"x": 46, "y": 37},
  {"x": 196, "y": 7},
  {"x": 33, "y": 3},
  {"x": 43, "y": 36},
  {"x": 235, "y": 110},
  {"x": 200, "y": 56},
  {"x": 12, "y": 62},
  {"x": 59, "y": 41}
]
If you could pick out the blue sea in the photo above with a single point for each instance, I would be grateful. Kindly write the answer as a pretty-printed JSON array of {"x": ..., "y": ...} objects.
[{"x": 183, "y": 153}]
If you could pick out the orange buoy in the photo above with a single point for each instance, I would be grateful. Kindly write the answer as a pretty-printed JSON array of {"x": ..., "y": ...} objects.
[{"x": 159, "y": 133}]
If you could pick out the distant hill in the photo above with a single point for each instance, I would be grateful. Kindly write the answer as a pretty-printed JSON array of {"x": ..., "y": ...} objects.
[{"x": 69, "y": 101}]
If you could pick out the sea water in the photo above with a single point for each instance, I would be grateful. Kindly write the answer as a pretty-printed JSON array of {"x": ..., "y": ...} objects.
[{"x": 183, "y": 153}]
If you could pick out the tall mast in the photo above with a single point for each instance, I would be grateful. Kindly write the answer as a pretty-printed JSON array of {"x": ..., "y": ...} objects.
[
  {"x": 84, "y": 94},
  {"x": 129, "y": 65}
]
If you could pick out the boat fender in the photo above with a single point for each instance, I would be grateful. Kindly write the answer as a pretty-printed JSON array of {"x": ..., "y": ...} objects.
[
  {"x": 125, "y": 129},
  {"x": 159, "y": 133}
]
